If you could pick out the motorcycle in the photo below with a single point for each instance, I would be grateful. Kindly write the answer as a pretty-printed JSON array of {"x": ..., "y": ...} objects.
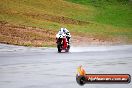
[{"x": 62, "y": 44}]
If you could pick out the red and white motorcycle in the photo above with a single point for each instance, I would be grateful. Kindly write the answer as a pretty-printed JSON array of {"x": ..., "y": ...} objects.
[{"x": 62, "y": 43}]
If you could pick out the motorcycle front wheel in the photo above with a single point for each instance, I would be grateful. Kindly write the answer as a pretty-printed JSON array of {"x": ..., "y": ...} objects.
[
  {"x": 68, "y": 48},
  {"x": 59, "y": 48}
]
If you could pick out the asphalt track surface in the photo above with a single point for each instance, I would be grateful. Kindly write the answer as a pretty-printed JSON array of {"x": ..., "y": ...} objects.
[{"x": 30, "y": 67}]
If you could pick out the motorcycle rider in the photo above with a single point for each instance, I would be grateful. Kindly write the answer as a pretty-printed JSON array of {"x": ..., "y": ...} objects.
[{"x": 63, "y": 32}]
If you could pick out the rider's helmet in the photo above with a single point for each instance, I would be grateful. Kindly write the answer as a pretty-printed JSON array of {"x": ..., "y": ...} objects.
[{"x": 63, "y": 30}]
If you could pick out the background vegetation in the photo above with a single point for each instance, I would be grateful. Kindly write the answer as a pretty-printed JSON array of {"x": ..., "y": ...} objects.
[{"x": 102, "y": 19}]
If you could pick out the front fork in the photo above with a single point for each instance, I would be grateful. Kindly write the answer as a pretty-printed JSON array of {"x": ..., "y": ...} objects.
[{"x": 62, "y": 42}]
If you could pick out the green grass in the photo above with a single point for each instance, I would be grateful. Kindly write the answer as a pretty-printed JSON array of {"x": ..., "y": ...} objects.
[
  {"x": 117, "y": 15},
  {"x": 114, "y": 12},
  {"x": 13, "y": 11},
  {"x": 105, "y": 18}
]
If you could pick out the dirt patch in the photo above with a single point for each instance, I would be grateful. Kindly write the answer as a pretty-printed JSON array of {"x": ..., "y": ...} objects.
[
  {"x": 27, "y": 36},
  {"x": 58, "y": 19},
  {"x": 32, "y": 36},
  {"x": 86, "y": 40}
]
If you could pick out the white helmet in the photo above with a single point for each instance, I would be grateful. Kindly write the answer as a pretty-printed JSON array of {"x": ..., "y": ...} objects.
[{"x": 62, "y": 30}]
